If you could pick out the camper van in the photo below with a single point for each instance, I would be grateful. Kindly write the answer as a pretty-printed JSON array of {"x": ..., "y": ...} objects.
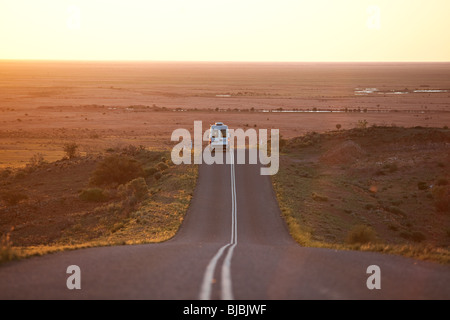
[{"x": 219, "y": 137}]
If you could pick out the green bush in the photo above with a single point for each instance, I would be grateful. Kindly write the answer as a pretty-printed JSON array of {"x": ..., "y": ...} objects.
[
  {"x": 116, "y": 169},
  {"x": 361, "y": 234},
  {"x": 93, "y": 195}
]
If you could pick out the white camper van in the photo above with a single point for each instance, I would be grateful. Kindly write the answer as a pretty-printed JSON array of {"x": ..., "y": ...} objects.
[{"x": 219, "y": 137}]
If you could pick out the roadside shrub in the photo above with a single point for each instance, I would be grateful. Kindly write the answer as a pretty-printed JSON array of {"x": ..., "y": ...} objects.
[
  {"x": 282, "y": 143},
  {"x": 135, "y": 188},
  {"x": 36, "y": 160},
  {"x": 395, "y": 210},
  {"x": 12, "y": 197},
  {"x": 94, "y": 136},
  {"x": 116, "y": 169},
  {"x": 93, "y": 195},
  {"x": 132, "y": 150},
  {"x": 361, "y": 234},
  {"x": 317, "y": 197},
  {"x": 139, "y": 188},
  {"x": 70, "y": 149},
  {"x": 5, "y": 173},
  {"x": 20, "y": 174},
  {"x": 157, "y": 175},
  {"x": 130, "y": 204},
  {"x": 7, "y": 252},
  {"x": 149, "y": 172},
  {"x": 362, "y": 124},
  {"x": 162, "y": 166},
  {"x": 421, "y": 185},
  {"x": 117, "y": 226},
  {"x": 391, "y": 167},
  {"x": 392, "y": 227},
  {"x": 152, "y": 156}
]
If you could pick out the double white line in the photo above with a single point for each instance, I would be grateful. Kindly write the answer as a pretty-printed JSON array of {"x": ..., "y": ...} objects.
[{"x": 226, "y": 290}]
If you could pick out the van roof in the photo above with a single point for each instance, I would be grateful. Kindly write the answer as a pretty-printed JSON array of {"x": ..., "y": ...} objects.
[{"x": 219, "y": 126}]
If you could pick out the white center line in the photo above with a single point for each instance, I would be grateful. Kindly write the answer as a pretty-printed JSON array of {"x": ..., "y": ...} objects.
[
  {"x": 206, "y": 288},
  {"x": 227, "y": 291}
]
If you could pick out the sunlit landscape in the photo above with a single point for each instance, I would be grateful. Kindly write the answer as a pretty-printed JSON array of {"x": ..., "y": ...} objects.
[{"x": 91, "y": 93}]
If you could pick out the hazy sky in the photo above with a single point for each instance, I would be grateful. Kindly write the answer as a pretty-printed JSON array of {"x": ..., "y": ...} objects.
[{"x": 226, "y": 30}]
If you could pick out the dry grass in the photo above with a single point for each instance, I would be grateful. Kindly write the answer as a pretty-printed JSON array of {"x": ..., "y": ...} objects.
[
  {"x": 370, "y": 201},
  {"x": 361, "y": 234},
  {"x": 144, "y": 210},
  {"x": 7, "y": 251}
]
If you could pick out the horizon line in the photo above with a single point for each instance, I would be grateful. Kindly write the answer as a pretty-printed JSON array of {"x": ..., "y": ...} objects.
[{"x": 221, "y": 61}]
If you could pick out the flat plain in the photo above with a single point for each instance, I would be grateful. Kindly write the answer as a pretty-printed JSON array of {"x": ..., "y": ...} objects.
[{"x": 106, "y": 107}]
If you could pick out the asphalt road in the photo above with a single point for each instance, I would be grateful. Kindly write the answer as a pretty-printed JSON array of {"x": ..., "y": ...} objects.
[{"x": 233, "y": 244}]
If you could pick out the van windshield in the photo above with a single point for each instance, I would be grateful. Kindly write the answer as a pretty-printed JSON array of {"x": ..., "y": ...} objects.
[
  {"x": 224, "y": 133},
  {"x": 219, "y": 133}
]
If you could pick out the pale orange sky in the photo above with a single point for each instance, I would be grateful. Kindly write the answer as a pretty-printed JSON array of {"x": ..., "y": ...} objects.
[{"x": 226, "y": 30}]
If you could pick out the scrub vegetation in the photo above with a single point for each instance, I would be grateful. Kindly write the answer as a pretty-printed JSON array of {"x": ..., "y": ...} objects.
[
  {"x": 371, "y": 188},
  {"x": 128, "y": 195}
]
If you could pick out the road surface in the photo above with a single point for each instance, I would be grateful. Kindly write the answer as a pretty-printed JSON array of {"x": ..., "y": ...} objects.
[{"x": 233, "y": 244}]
